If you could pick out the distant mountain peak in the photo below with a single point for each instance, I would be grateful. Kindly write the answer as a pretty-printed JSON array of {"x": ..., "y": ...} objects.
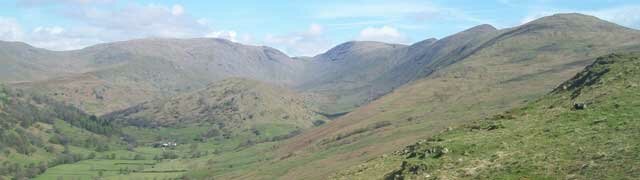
[
  {"x": 573, "y": 22},
  {"x": 569, "y": 16},
  {"x": 427, "y": 41},
  {"x": 16, "y": 44},
  {"x": 482, "y": 28},
  {"x": 351, "y": 47}
]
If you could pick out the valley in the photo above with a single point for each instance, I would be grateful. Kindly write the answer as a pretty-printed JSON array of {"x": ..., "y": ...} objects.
[{"x": 483, "y": 103}]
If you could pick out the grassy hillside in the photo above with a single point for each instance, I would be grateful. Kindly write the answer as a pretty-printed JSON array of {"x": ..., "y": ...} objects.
[
  {"x": 229, "y": 116},
  {"x": 339, "y": 80},
  {"x": 512, "y": 67},
  {"x": 22, "y": 62},
  {"x": 356, "y": 73},
  {"x": 92, "y": 94},
  {"x": 37, "y": 133},
  {"x": 41, "y": 138},
  {"x": 227, "y": 108},
  {"x": 149, "y": 68},
  {"x": 244, "y": 129},
  {"x": 547, "y": 139}
]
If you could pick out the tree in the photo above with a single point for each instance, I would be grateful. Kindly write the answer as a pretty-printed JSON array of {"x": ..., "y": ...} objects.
[
  {"x": 102, "y": 148},
  {"x": 49, "y": 149},
  {"x": 3, "y": 95},
  {"x": 91, "y": 156},
  {"x": 318, "y": 122},
  {"x": 138, "y": 157},
  {"x": 42, "y": 167},
  {"x": 93, "y": 118}
]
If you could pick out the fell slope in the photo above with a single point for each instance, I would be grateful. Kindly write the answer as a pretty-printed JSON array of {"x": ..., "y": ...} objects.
[
  {"x": 342, "y": 76},
  {"x": 231, "y": 105},
  {"x": 21, "y": 62},
  {"x": 37, "y": 133},
  {"x": 356, "y": 73},
  {"x": 512, "y": 66},
  {"x": 546, "y": 139},
  {"x": 149, "y": 67}
]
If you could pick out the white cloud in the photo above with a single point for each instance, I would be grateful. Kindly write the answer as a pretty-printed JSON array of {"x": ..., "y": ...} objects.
[
  {"x": 394, "y": 11},
  {"x": 306, "y": 43},
  {"x": 54, "y": 37},
  {"x": 355, "y": 10},
  {"x": 203, "y": 21},
  {"x": 136, "y": 21},
  {"x": 177, "y": 10},
  {"x": 58, "y": 38},
  {"x": 49, "y": 30},
  {"x": 315, "y": 29},
  {"x": 383, "y": 34},
  {"x": 229, "y": 35},
  {"x": 98, "y": 25},
  {"x": 35, "y": 3},
  {"x": 10, "y": 30},
  {"x": 625, "y": 15}
]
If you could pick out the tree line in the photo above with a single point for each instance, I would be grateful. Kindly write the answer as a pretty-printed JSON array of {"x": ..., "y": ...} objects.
[{"x": 21, "y": 110}]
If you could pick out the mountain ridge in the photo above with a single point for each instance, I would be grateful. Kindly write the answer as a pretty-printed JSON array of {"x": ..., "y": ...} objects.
[
  {"x": 202, "y": 108},
  {"x": 192, "y": 63},
  {"x": 506, "y": 72}
]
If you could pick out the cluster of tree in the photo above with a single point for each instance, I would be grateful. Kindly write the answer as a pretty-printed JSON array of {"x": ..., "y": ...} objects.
[
  {"x": 166, "y": 155},
  {"x": 24, "y": 110},
  {"x": 18, "y": 171},
  {"x": 67, "y": 158},
  {"x": 123, "y": 116},
  {"x": 78, "y": 118},
  {"x": 111, "y": 156},
  {"x": 251, "y": 142},
  {"x": 197, "y": 154},
  {"x": 127, "y": 170},
  {"x": 21, "y": 111},
  {"x": 49, "y": 109},
  {"x": 20, "y": 140},
  {"x": 318, "y": 122},
  {"x": 4, "y": 98}
]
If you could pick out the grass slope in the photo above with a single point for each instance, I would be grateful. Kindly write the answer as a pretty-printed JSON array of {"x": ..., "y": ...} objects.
[
  {"x": 230, "y": 116},
  {"x": 514, "y": 66},
  {"x": 229, "y": 106},
  {"x": 148, "y": 68},
  {"x": 546, "y": 139},
  {"x": 37, "y": 133}
]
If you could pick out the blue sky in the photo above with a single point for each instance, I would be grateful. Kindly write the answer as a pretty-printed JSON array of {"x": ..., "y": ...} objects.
[{"x": 295, "y": 27}]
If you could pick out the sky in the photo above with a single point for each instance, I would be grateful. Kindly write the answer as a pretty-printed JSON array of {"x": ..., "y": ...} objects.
[{"x": 298, "y": 28}]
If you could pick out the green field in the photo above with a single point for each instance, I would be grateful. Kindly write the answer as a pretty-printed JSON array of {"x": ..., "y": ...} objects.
[
  {"x": 114, "y": 169},
  {"x": 227, "y": 154}
]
